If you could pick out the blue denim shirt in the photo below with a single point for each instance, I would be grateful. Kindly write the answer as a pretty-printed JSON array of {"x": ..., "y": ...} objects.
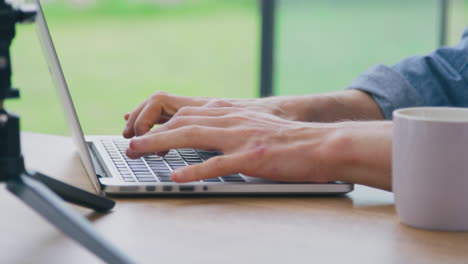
[{"x": 437, "y": 79}]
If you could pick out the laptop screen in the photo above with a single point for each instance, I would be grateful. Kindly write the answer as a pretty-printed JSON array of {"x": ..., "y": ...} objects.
[{"x": 64, "y": 94}]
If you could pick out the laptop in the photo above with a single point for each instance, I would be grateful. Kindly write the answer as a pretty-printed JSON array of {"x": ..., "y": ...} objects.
[{"x": 112, "y": 172}]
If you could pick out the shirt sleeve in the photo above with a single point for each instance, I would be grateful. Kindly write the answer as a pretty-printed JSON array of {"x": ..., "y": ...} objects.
[{"x": 437, "y": 79}]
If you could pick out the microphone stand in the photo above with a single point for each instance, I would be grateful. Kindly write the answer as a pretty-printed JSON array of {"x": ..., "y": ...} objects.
[{"x": 42, "y": 193}]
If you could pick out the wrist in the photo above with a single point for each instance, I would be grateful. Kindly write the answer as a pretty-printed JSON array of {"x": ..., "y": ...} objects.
[
  {"x": 359, "y": 152},
  {"x": 331, "y": 107}
]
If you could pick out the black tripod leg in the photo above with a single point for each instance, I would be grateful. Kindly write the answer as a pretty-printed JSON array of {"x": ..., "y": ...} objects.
[
  {"x": 74, "y": 195},
  {"x": 52, "y": 208}
]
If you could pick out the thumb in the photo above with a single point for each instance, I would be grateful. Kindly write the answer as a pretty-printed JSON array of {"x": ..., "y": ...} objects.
[{"x": 212, "y": 168}]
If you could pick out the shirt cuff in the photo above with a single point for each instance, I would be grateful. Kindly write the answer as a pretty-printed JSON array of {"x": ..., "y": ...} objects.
[{"x": 388, "y": 88}]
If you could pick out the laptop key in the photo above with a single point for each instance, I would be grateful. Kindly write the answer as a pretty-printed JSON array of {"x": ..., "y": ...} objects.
[
  {"x": 193, "y": 161},
  {"x": 233, "y": 178},
  {"x": 144, "y": 176},
  {"x": 174, "y": 161},
  {"x": 212, "y": 180},
  {"x": 165, "y": 179},
  {"x": 152, "y": 158},
  {"x": 141, "y": 171},
  {"x": 157, "y": 164},
  {"x": 136, "y": 163},
  {"x": 129, "y": 180},
  {"x": 160, "y": 169},
  {"x": 207, "y": 155},
  {"x": 177, "y": 162},
  {"x": 147, "y": 180},
  {"x": 137, "y": 166},
  {"x": 172, "y": 156},
  {"x": 177, "y": 165}
]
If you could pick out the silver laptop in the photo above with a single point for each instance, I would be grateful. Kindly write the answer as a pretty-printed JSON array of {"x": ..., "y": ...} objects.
[{"x": 112, "y": 172}]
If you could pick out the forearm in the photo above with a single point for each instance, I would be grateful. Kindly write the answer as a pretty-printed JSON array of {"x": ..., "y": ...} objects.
[
  {"x": 330, "y": 107},
  {"x": 361, "y": 153}
]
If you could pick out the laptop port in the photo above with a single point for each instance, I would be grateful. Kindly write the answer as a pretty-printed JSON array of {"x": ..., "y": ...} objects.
[
  {"x": 167, "y": 188},
  {"x": 151, "y": 188},
  {"x": 187, "y": 188},
  {"x": 129, "y": 189}
]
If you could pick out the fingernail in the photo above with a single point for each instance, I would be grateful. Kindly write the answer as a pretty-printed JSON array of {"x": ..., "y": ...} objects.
[
  {"x": 135, "y": 142},
  {"x": 179, "y": 175},
  {"x": 130, "y": 153}
]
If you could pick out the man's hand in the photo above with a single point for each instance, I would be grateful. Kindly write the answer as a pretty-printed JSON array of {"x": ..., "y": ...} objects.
[
  {"x": 346, "y": 105},
  {"x": 263, "y": 145},
  {"x": 253, "y": 143}
]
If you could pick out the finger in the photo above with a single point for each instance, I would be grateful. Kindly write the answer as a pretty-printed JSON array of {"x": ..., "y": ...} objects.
[
  {"x": 185, "y": 137},
  {"x": 178, "y": 122},
  {"x": 217, "y": 103},
  {"x": 126, "y": 116},
  {"x": 165, "y": 104},
  {"x": 164, "y": 118},
  {"x": 214, "y": 167},
  {"x": 129, "y": 131},
  {"x": 207, "y": 111},
  {"x": 135, "y": 155},
  {"x": 147, "y": 118},
  {"x": 152, "y": 113}
]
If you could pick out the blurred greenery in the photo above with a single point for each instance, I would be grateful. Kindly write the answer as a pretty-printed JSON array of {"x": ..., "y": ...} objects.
[
  {"x": 115, "y": 53},
  {"x": 345, "y": 38},
  {"x": 324, "y": 45}
]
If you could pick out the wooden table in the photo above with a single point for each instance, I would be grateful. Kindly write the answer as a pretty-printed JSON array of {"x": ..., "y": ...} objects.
[{"x": 358, "y": 228}]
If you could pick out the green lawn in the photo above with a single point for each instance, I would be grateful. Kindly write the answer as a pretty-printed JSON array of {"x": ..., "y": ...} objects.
[{"x": 118, "y": 52}]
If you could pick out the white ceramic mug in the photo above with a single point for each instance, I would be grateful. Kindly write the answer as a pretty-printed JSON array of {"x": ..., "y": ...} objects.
[{"x": 430, "y": 167}]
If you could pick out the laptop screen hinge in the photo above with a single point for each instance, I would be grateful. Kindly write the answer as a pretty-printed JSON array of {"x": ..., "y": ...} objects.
[{"x": 97, "y": 165}]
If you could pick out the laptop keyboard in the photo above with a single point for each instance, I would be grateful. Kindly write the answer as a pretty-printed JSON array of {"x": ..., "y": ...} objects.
[{"x": 153, "y": 168}]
